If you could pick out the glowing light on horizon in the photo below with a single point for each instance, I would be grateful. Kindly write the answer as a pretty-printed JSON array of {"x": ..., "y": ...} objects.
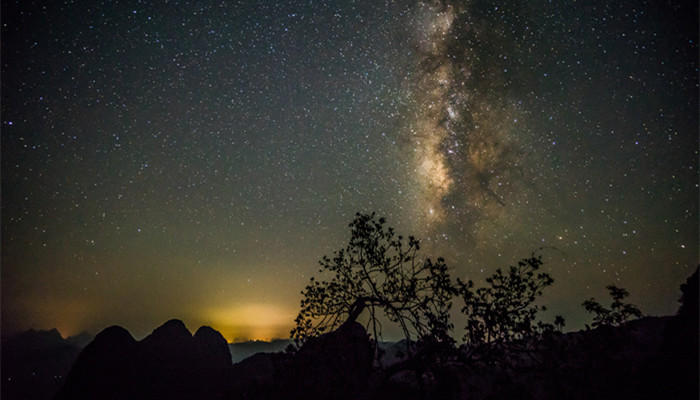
[{"x": 254, "y": 321}]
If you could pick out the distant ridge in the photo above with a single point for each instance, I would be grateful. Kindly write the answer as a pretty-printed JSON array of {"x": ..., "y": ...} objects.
[
  {"x": 35, "y": 363},
  {"x": 241, "y": 351}
]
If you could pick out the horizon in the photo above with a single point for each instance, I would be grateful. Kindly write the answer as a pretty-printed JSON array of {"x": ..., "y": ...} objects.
[{"x": 242, "y": 340}]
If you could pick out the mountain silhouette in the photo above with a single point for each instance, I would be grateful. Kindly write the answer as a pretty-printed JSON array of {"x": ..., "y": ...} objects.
[
  {"x": 104, "y": 369},
  {"x": 168, "y": 364}
]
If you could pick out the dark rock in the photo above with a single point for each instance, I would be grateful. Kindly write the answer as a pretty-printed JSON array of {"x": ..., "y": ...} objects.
[{"x": 335, "y": 365}]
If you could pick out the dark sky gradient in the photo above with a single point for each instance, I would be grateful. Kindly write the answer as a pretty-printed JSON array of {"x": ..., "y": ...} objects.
[{"x": 195, "y": 160}]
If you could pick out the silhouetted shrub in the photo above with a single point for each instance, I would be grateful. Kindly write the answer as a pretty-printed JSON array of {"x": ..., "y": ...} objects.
[
  {"x": 617, "y": 314},
  {"x": 501, "y": 316}
]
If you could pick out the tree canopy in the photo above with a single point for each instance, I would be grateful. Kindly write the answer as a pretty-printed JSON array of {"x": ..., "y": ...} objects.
[
  {"x": 378, "y": 273},
  {"x": 505, "y": 309}
]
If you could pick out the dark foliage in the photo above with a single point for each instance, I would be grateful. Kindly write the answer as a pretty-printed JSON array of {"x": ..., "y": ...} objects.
[
  {"x": 502, "y": 315},
  {"x": 382, "y": 274},
  {"x": 617, "y": 314}
]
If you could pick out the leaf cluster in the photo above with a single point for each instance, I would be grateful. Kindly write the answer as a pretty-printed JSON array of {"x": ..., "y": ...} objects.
[{"x": 618, "y": 313}]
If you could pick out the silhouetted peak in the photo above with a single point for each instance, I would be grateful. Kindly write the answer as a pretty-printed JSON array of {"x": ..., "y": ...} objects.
[
  {"x": 114, "y": 336},
  {"x": 168, "y": 364},
  {"x": 39, "y": 339},
  {"x": 53, "y": 333},
  {"x": 347, "y": 335},
  {"x": 209, "y": 337},
  {"x": 104, "y": 368},
  {"x": 207, "y": 333},
  {"x": 174, "y": 325},
  {"x": 173, "y": 332},
  {"x": 50, "y": 334},
  {"x": 210, "y": 345},
  {"x": 110, "y": 344}
]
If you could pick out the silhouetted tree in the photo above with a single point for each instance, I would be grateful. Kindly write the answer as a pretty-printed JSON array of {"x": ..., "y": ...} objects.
[
  {"x": 502, "y": 314},
  {"x": 559, "y": 322},
  {"x": 378, "y": 273},
  {"x": 617, "y": 314}
]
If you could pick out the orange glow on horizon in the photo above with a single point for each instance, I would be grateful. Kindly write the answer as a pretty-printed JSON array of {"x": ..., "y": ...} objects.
[{"x": 252, "y": 322}]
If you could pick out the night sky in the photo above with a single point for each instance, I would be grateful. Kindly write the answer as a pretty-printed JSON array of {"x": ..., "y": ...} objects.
[{"x": 193, "y": 160}]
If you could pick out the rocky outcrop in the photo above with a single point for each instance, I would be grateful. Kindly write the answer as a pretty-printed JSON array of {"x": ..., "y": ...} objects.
[{"x": 337, "y": 365}]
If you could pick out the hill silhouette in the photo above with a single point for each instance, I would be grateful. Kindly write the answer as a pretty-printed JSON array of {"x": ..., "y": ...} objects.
[{"x": 170, "y": 363}]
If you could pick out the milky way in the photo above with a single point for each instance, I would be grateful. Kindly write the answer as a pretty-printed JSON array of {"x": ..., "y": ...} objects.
[
  {"x": 428, "y": 129},
  {"x": 467, "y": 150}
]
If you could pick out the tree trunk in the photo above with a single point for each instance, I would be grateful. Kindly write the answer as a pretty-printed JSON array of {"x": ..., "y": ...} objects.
[{"x": 356, "y": 309}]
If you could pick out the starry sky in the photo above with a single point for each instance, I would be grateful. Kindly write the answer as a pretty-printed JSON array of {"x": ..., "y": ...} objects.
[{"x": 195, "y": 160}]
